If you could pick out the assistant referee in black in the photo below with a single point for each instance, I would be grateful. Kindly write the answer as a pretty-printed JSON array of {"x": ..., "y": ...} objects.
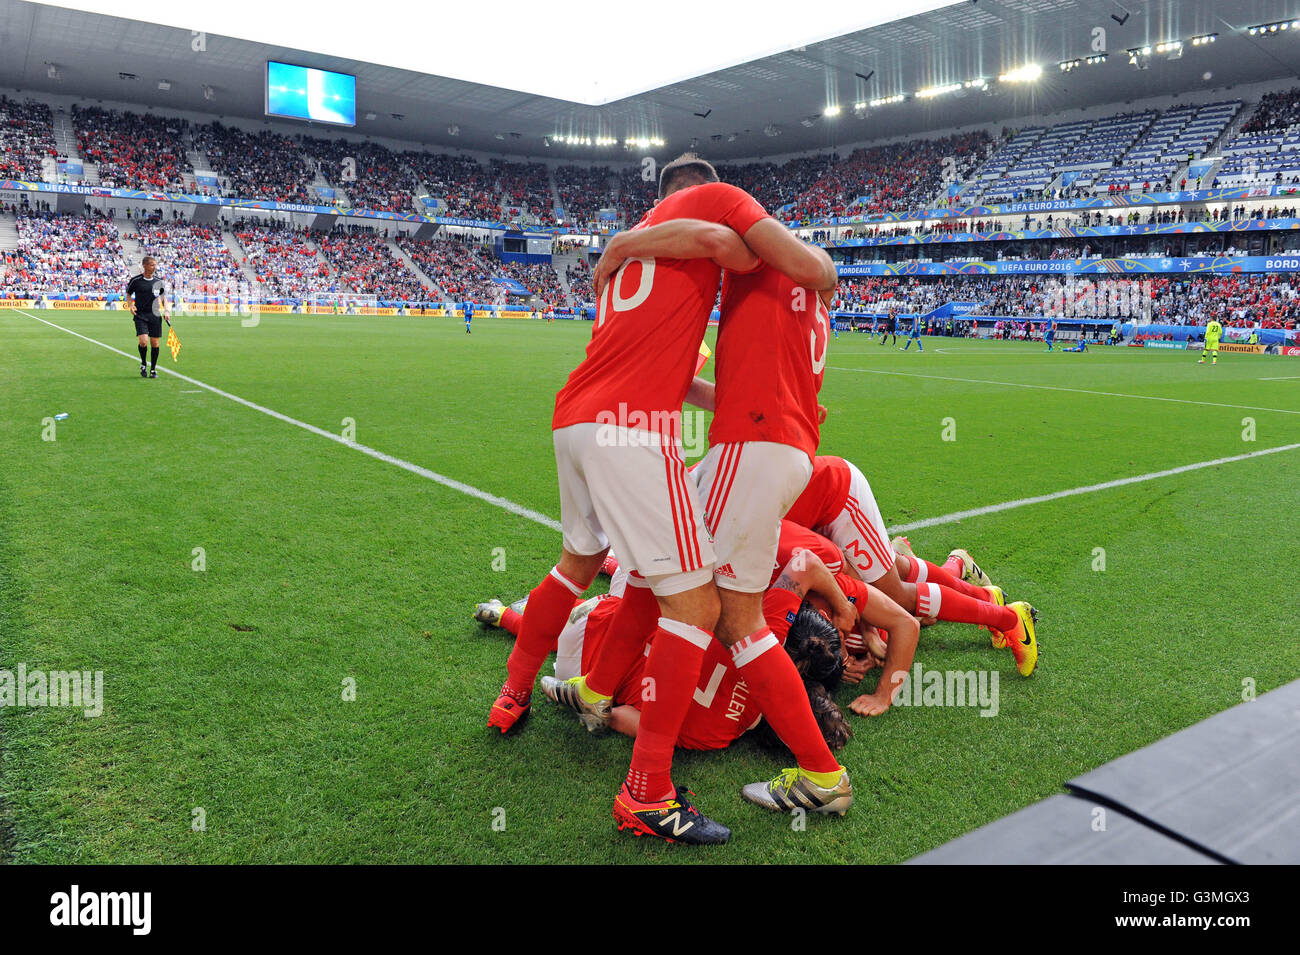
[{"x": 146, "y": 296}]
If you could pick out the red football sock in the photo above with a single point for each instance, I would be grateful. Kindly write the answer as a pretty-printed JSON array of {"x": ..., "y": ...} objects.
[
  {"x": 610, "y": 567},
  {"x": 954, "y": 565},
  {"x": 674, "y": 668},
  {"x": 634, "y": 621},
  {"x": 779, "y": 693},
  {"x": 511, "y": 620},
  {"x": 943, "y": 578},
  {"x": 945, "y": 603},
  {"x": 548, "y": 609}
]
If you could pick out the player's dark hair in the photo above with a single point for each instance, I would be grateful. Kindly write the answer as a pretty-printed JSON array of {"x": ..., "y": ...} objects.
[
  {"x": 688, "y": 169},
  {"x": 148, "y": 258},
  {"x": 813, "y": 644}
]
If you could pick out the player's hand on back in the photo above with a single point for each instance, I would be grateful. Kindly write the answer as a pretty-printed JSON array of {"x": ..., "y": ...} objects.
[
  {"x": 610, "y": 261},
  {"x": 844, "y": 615}
]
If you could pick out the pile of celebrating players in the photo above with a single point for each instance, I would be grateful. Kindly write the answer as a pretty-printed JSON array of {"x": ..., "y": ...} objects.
[{"x": 746, "y": 588}]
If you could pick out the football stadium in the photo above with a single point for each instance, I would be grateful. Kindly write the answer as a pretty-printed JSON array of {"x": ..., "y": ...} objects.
[{"x": 390, "y": 473}]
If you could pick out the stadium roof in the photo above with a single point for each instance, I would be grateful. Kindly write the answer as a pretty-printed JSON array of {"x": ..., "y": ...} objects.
[
  {"x": 771, "y": 105},
  {"x": 465, "y": 41}
]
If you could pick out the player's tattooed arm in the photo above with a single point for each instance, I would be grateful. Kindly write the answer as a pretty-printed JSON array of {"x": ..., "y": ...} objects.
[
  {"x": 784, "y": 251},
  {"x": 805, "y": 573},
  {"x": 675, "y": 239},
  {"x": 701, "y": 394}
]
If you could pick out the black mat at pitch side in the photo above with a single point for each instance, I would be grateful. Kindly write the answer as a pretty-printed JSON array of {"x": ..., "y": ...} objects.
[
  {"x": 1224, "y": 790},
  {"x": 1230, "y": 784},
  {"x": 1060, "y": 830}
]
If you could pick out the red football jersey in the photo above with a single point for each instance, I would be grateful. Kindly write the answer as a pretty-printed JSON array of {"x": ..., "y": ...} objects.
[
  {"x": 795, "y": 536},
  {"x": 826, "y": 494},
  {"x": 598, "y": 621},
  {"x": 772, "y": 338},
  {"x": 721, "y": 710},
  {"x": 650, "y": 321}
]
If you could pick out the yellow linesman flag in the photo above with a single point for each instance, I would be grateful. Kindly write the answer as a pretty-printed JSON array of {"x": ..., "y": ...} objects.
[
  {"x": 173, "y": 342},
  {"x": 704, "y": 356}
]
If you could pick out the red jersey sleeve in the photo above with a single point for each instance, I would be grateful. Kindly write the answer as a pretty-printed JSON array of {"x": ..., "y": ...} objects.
[
  {"x": 779, "y": 610},
  {"x": 794, "y": 537},
  {"x": 854, "y": 589}
]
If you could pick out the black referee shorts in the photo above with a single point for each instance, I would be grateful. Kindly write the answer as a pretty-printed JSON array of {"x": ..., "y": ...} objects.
[{"x": 150, "y": 325}]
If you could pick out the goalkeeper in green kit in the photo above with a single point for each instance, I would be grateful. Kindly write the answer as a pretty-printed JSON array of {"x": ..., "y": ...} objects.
[{"x": 1212, "y": 332}]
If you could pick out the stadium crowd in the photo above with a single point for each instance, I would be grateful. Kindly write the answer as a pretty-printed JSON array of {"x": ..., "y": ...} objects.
[
  {"x": 285, "y": 262},
  {"x": 363, "y": 262},
  {"x": 538, "y": 277},
  {"x": 524, "y": 186},
  {"x": 193, "y": 257},
  {"x": 68, "y": 254},
  {"x": 776, "y": 185},
  {"x": 580, "y": 282},
  {"x": 132, "y": 151},
  {"x": 26, "y": 139},
  {"x": 460, "y": 268},
  {"x": 463, "y": 183},
  {"x": 262, "y": 165},
  {"x": 1239, "y": 301},
  {"x": 1276, "y": 111},
  {"x": 899, "y": 176},
  {"x": 372, "y": 176},
  {"x": 583, "y": 191}
]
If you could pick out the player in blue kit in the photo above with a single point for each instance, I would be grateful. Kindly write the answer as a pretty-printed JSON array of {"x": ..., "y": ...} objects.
[{"x": 914, "y": 336}]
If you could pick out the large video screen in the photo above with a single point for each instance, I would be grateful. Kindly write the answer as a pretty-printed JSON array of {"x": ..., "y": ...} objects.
[{"x": 300, "y": 92}]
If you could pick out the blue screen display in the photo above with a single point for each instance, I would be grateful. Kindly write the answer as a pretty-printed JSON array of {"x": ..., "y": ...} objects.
[{"x": 300, "y": 92}]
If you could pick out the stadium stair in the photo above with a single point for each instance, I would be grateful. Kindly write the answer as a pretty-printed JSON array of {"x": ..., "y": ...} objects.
[
  {"x": 8, "y": 233},
  {"x": 320, "y": 257},
  {"x": 65, "y": 141},
  {"x": 556, "y": 203},
  {"x": 241, "y": 255},
  {"x": 132, "y": 249},
  {"x": 1214, "y": 150},
  {"x": 415, "y": 270},
  {"x": 199, "y": 165},
  {"x": 561, "y": 264}
]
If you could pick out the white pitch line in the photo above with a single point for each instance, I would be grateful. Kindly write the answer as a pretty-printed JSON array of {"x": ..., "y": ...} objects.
[
  {"x": 1077, "y": 391},
  {"x": 545, "y": 521},
  {"x": 1283, "y": 378},
  {"x": 493, "y": 499},
  {"x": 1089, "y": 489}
]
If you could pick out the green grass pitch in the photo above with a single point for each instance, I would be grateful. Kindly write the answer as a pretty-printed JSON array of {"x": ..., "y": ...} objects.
[{"x": 224, "y": 688}]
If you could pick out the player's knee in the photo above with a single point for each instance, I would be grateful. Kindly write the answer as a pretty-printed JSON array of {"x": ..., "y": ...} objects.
[
  {"x": 581, "y": 568},
  {"x": 698, "y": 606}
]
